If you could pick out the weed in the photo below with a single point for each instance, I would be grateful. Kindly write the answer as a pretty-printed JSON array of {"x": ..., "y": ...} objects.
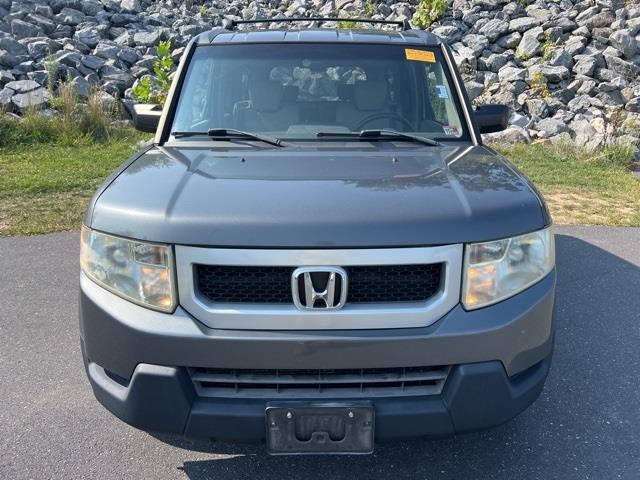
[
  {"x": 370, "y": 8},
  {"x": 538, "y": 86},
  {"x": 429, "y": 11},
  {"x": 148, "y": 91},
  {"x": 548, "y": 47},
  {"x": 347, "y": 24}
]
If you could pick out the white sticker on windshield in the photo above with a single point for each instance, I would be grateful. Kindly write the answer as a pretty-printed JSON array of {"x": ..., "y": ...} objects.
[
  {"x": 441, "y": 90},
  {"x": 450, "y": 130}
]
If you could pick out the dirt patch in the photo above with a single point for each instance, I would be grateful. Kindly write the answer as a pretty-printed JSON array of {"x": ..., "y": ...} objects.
[
  {"x": 4, "y": 222},
  {"x": 579, "y": 207}
]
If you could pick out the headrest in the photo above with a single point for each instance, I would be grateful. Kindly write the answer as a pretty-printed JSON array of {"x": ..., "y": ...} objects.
[
  {"x": 370, "y": 94},
  {"x": 266, "y": 95}
]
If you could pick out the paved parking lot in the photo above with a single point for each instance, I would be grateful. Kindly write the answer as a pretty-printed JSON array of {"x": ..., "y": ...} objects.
[{"x": 585, "y": 425}]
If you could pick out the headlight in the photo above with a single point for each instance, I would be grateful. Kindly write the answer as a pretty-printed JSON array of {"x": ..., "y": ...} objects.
[
  {"x": 138, "y": 271},
  {"x": 497, "y": 270}
]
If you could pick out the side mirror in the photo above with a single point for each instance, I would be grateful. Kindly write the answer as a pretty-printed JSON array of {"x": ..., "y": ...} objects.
[
  {"x": 492, "y": 118},
  {"x": 146, "y": 117}
]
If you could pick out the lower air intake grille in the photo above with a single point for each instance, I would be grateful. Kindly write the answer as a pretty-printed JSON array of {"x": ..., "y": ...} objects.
[{"x": 335, "y": 383}]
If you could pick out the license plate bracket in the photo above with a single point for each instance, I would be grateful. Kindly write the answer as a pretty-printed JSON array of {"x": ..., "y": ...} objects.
[{"x": 299, "y": 428}]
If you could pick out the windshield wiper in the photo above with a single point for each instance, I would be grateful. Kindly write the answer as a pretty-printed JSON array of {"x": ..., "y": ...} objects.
[
  {"x": 230, "y": 133},
  {"x": 378, "y": 135}
]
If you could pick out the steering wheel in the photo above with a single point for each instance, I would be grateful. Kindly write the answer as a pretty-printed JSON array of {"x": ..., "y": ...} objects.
[{"x": 383, "y": 115}]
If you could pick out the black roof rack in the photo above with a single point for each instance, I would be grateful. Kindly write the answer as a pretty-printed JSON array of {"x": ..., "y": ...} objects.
[{"x": 404, "y": 24}]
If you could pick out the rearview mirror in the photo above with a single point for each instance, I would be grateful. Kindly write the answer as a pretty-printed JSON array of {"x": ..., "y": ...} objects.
[
  {"x": 146, "y": 117},
  {"x": 492, "y": 118}
]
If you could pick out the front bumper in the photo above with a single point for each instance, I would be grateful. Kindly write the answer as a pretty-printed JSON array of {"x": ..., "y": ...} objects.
[{"x": 136, "y": 361}]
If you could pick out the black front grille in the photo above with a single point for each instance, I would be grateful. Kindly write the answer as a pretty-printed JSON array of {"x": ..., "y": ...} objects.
[
  {"x": 322, "y": 383},
  {"x": 366, "y": 284},
  {"x": 244, "y": 284}
]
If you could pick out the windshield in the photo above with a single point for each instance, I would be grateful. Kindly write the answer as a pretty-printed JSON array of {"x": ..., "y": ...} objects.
[{"x": 295, "y": 91}]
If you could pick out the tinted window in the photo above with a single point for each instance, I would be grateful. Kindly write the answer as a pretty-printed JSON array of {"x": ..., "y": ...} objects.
[{"x": 297, "y": 90}]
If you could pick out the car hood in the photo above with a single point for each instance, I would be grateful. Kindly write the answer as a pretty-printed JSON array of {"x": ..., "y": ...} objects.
[{"x": 376, "y": 196}]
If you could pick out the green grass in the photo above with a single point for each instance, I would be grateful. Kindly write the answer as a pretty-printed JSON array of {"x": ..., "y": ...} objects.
[
  {"x": 581, "y": 187},
  {"x": 45, "y": 186}
]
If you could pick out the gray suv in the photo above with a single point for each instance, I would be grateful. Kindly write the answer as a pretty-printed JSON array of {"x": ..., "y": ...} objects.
[{"x": 317, "y": 251}]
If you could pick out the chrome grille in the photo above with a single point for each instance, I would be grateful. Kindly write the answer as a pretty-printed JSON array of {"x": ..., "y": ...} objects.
[{"x": 322, "y": 383}]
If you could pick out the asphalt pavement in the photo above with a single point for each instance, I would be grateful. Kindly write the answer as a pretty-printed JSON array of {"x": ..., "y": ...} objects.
[{"x": 585, "y": 425}]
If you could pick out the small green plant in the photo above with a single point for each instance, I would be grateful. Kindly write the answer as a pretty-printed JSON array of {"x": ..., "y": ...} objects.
[
  {"x": 548, "y": 47},
  {"x": 522, "y": 56},
  {"x": 428, "y": 12},
  {"x": 522, "y": 3},
  {"x": 538, "y": 85},
  {"x": 631, "y": 126},
  {"x": 148, "y": 91},
  {"x": 347, "y": 24},
  {"x": 370, "y": 8},
  {"x": 203, "y": 10},
  {"x": 51, "y": 65}
]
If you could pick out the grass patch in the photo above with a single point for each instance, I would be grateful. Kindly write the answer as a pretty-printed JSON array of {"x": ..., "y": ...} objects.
[
  {"x": 581, "y": 187},
  {"x": 46, "y": 187}
]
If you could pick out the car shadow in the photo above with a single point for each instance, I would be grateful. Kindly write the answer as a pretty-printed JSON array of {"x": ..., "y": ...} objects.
[{"x": 583, "y": 423}]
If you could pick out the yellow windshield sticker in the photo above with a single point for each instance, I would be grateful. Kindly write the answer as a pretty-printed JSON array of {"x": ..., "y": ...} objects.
[{"x": 420, "y": 55}]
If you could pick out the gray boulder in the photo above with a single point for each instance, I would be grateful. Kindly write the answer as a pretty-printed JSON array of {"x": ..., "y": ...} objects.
[
  {"x": 511, "y": 135},
  {"x": 130, "y": 6},
  {"x": 40, "y": 49},
  {"x": 107, "y": 50},
  {"x": 92, "y": 62},
  {"x": 448, "y": 32},
  {"x": 550, "y": 127},
  {"x": 22, "y": 29},
  {"x": 5, "y": 99},
  {"x": 70, "y": 16},
  {"x": 530, "y": 44},
  {"x": 523, "y": 24},
  {"x": 633, "y": 105},
  {"x": 13, "y": 46},
  {"x": 493, "y": 62},
  {"x": 509, "y": 41},
  {"x": 91, "y": 7},
  {"x": 561, "y": 58},
  {"x": 22, "y": 86},
  {"x": 580, "y": 103},
  {"x": 33, "y": 99},
  {"x": 81, "y": 87},
  {"x": 511, "y": 74},
  {"x": 7, "y": 60},
  {"x": 628, "y": 70},
  {"x": 6, "y": 77},
  {"x": 68, "y": 58},
  {"x": 474, "y": 89},
  {"x": 494, "y": 29},
  {"x": 585, "y": 66},
  {"x": 46, "y": 24},
  {"x": 575, "y": 44},
  {"x": 626, "y": 42},
  {"x": 118, "y": 78},
  {"x": 147, "y": 39},
  {"x": 551, "y": 73},
  {"x": 584, "y": 133},
  {"x": 90, "y": 36},
  {"x": 475, "y": 42}
]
